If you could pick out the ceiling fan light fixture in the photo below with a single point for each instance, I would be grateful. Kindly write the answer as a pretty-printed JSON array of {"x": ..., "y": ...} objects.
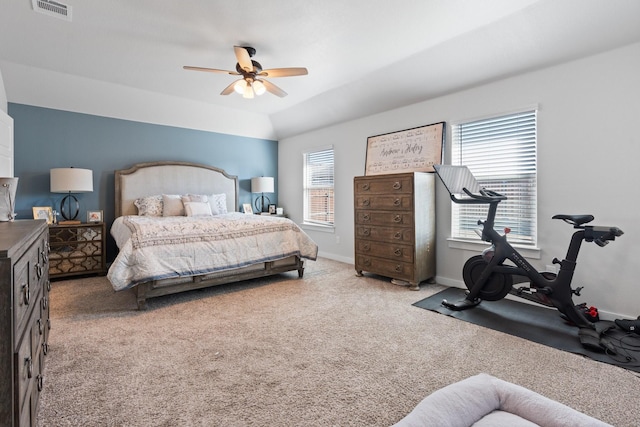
[
  {"x": 258, "y": 87},
  {"x": 248, "y": 91},
  {"x": 240, "y": 86}
]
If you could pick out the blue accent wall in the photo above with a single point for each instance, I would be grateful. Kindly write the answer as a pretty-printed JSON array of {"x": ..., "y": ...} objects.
[{"x": 46, "y": 138}]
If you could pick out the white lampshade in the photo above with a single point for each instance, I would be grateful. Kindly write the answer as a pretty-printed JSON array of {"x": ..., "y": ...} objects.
[
  {"x": 262, "y": 184},
  {"x": 71, "y": 180}
]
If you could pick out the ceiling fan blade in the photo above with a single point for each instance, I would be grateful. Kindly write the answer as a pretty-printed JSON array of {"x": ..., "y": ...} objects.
[
  {"x": 244, "y": 59},
  {"x": 210, "y": 70},
  {"x": 284, "y": 72},
  {"x": 273, "y": 88},
  {"x": 229, "y": 89}
]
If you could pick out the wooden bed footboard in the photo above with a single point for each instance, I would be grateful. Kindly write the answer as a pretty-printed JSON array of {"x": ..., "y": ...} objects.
[{"x": 158, "y": 288}]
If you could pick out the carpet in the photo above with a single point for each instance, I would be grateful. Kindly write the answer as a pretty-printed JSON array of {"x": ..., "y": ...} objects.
[
  {"x": 538, "y": 324},
  {"x": 330, "y": 349}
]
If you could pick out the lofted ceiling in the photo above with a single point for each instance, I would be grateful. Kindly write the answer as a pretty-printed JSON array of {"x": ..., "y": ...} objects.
[{"x": 363, "y": 56}]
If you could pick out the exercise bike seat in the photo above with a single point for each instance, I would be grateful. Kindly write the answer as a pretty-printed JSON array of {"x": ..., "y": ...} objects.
[{"x": 575, "y": 220}]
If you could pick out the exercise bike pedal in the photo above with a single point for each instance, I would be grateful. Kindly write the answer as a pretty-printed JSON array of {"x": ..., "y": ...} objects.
[{"x": 461, "y": 305}]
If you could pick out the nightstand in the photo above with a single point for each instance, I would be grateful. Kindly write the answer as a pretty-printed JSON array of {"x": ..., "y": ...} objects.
[{"x": 77, "y": 249}]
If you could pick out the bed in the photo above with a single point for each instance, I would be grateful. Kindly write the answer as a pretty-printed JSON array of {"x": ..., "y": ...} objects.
[{"x": 164, "y": 250}]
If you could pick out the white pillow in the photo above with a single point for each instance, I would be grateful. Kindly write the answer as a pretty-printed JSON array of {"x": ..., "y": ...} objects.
[
  {"x": 218, "y": 203},
  {"x": 194, "y": 198},
  {"x": 197, "y": 209},
  {"x": 172, "y": 205},
  {"x": 149, "y": 206}
]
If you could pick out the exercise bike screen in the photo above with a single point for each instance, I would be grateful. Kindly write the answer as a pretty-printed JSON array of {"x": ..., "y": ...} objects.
[{"x": 455, "y": 178}]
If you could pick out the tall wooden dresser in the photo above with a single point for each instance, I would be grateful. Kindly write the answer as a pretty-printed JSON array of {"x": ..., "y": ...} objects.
[
  {"x": 395, "y": 226},
  {"x": 24, "y": 319}
]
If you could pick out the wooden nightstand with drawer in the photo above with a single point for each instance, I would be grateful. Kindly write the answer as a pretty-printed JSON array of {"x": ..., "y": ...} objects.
[
  {"x": 395, "y": 226},
  {"x": 77, "y": 249}
]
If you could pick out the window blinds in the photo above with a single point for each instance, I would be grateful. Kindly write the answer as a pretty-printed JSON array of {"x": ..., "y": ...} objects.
[
  {"x": 319, "y": 183},
  {"x": 501, "y": 153}
]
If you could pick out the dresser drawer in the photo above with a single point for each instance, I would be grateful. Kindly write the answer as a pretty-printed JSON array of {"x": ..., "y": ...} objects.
[
  {"x": 25, "y": 366},
  {"x": 395, "y": 184},
  {"x": 385, "y": 234},
  {"x": 378, "y": 201},
  {"x": 24, "y": 292},
  {"x": 384, "y": 218},
  {"x": 384, "y": 267},
  {"x": 389, "y": 251}
]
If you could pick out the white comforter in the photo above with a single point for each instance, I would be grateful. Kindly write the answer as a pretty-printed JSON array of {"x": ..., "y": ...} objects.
[{"x": 153, "y": 248}]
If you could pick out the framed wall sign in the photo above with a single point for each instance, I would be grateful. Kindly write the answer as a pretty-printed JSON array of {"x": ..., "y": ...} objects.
[{"x": 411, "y": 150}]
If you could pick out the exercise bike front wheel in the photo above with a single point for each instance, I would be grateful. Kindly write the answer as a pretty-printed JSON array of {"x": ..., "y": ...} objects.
[{"x": 497, "y": 285}]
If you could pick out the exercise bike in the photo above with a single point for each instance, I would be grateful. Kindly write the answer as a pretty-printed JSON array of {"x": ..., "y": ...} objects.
[{"x": 487, "y": 277}]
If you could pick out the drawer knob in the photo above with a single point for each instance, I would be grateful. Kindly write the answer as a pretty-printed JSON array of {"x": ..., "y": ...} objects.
[
  {"x": 397, "y": 252},
  {"x": 40, "y": 382},
  {"x": 40, "y": 327},
  {"x": 396, "y": 202},
  {"x": 397, "y": 219},
  {"x": 366, "y": 231},
  {"x": 366, "y": 217},
  {"x": 397, "y": 185},
  {"x": 365, "y": 187},
  {"x": 367, "y": 261},
  {"x": 398, "y": 268},
  {"x": 366, "y": 202},
  {"x": 45, "y": 348},
  {"x": 366, "y": 247},
  {"x": 48, "y": 285},
  {"x": 38, "y": 268},
  {"x": 398, "y": 235},
  {"x": 44, "y": 302},
  {"x": 26, "y": 294}
]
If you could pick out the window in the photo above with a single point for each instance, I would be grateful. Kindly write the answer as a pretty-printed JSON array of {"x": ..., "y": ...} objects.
[
  {"x": 501, "y": 153},
  {"x": 318, "y": 187}
]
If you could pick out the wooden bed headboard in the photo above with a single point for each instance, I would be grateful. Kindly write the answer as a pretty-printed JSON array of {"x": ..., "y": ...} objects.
[{"x": 148, "y": 179}]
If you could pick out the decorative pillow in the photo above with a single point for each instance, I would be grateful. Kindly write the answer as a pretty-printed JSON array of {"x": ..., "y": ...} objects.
[
  {"x": 194, "y": 198},
  {"x": 172, "y": 205},
  {"x": 218, "y": 204},
  {"x": 197, "y": 209},
  {"x": 149, "y": 206}
]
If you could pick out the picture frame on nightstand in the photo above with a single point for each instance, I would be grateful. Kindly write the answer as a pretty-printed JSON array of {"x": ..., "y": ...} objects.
[
  {"x": 94, "y": 216},
  {"x": 43, "y": 212}
]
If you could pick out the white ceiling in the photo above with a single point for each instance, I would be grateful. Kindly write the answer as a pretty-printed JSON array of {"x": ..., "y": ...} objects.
[{"x": 363, "y": 56}]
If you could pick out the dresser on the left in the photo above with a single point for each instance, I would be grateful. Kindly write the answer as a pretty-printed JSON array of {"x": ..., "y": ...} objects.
[{"x": 24, "y": 319}]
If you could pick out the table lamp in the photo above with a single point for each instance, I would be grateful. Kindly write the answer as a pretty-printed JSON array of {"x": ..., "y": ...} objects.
[
  {"x": 71, "y": 180},
  {"x": 262, "y": 184}
]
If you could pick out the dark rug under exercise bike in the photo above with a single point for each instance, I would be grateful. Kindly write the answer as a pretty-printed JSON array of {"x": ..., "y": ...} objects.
[{"x": 538, "y": 324}]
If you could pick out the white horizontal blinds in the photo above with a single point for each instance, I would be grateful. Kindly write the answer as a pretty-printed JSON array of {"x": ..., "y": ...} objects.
[
  {"x": 501, "y": 153},
  {"x": 319, "y": 194}
]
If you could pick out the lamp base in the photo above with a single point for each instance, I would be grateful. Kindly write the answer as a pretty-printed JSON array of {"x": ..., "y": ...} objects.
[
  {"x": 260, "y": 204},
  {"x": 70, "y": 222}
]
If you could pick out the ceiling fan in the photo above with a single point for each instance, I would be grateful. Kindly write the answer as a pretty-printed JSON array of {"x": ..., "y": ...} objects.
[{"x": 252, "y": 82}]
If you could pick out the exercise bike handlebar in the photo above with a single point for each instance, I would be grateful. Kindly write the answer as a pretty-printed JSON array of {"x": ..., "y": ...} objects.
[{"x": 485, "y": 196}]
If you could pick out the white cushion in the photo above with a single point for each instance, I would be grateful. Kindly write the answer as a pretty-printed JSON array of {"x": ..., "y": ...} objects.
[
  {"x": 218, "y": 203},
  {"x": 197, "y": 209}
]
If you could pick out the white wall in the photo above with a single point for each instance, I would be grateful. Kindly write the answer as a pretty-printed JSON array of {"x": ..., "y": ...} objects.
[
  {"x": 587, "y": 160},
  {"x": 3, "y": 95}
]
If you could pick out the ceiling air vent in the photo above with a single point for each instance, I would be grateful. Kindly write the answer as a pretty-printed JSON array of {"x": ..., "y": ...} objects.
[{"x": 52, "y": 8}]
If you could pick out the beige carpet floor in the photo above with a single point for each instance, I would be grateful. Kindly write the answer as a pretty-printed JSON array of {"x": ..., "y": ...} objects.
[{"x": 331, "y": 349}]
